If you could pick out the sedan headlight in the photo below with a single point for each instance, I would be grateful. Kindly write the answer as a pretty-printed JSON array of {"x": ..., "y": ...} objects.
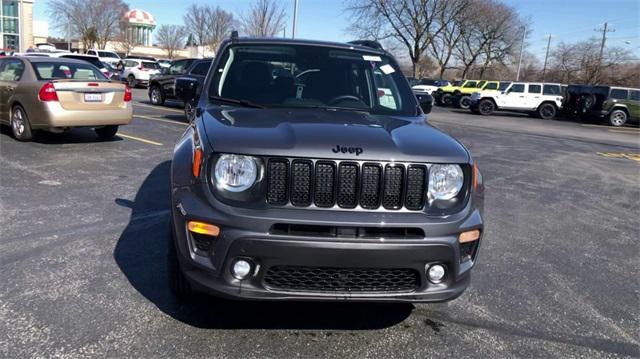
[
  {"x": 445, "y": 182},
  {"x": 236, "y": 173}
]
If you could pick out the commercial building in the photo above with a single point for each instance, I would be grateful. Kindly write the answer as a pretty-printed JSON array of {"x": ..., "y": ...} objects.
[{"x": 16, "y": 25}]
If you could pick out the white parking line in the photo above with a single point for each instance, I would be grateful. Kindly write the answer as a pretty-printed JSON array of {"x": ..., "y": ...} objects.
[
  {"x": 159, "y": 108},
  {"x": 161, "y": 120},
  {"x": 139, "y": 139}
]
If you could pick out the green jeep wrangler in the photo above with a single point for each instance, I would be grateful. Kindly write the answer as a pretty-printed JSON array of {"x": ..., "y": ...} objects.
[{"x": 617, "y": 105}]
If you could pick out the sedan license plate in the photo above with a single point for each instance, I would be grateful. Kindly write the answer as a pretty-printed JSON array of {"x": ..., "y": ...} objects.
[{"x": 92, "y": 97}]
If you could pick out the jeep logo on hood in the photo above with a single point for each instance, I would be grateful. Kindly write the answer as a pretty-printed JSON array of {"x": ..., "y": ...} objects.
[{"x": 345, "y": 149}]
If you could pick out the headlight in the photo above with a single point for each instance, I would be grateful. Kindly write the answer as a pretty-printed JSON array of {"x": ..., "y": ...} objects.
[
  {"x": 236, "y": 173},
  {"x": 445, "y": 181}
]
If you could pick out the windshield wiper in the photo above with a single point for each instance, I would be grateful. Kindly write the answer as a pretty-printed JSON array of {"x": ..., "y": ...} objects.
[
  {"x": 234, "y": 101},
  {"x": 326, "y": 108}
]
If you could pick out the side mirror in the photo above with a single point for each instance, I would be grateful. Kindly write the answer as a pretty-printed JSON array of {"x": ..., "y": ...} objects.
[
  {"x": 186, "y": 89},
  {"x": 426, "y": 102}
]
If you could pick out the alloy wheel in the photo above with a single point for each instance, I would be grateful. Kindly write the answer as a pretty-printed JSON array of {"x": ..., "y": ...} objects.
[
  {"x": 17, "y": 122},
  {"x": 618, "y": 118}
]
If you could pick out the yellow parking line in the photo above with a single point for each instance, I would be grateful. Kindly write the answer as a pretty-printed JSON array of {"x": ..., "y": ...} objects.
[
  {"x": 139, "y": 139},
  {"x": 161, "y": 120},
  {"x": 159, "y": 108},
  {"x": 629, "y": 156}
]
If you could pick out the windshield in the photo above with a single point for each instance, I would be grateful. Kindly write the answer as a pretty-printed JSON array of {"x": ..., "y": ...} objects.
[
  {"x": 108, "y": 54},
  {"x": 457, "y": 83},
  {"x": 90, "y": 59},
  {"x": 312, "y": 76},
  {"x": 67, "y": 71},
  {"x": 150, "y": 65}
]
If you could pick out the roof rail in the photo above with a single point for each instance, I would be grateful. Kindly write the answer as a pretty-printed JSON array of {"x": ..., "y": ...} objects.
[{"x": 367, "y": 43}]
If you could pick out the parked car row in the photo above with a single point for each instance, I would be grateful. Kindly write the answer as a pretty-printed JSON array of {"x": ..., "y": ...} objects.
[{"x": 616, "y": 105}]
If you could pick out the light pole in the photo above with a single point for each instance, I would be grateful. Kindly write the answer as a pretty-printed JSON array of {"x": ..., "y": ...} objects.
[{"x": 295, "y": 18}]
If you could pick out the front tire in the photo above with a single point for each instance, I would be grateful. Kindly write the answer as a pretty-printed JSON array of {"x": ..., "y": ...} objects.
[
  {"x": 106, "y": 132},
  {"x": 464, "y": 102},
  {"x": 20, "y": 125},
  {"x": 617, "y": 118},
  {"x": 155, "y": 96},
  {"x": 486, "y": 107},
  {"x": 547, "y": 111},
  {"x": 446, "y": 99},
  {"x": 131, "y": 81}
]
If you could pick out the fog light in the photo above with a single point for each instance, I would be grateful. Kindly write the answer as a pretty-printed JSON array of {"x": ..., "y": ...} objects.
[
  {"x": 436, "y": 273},
  {"x": 241, "y": 269}
]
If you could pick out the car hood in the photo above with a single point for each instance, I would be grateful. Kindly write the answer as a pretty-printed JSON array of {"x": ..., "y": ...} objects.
[{"x": 321, "y": 133}]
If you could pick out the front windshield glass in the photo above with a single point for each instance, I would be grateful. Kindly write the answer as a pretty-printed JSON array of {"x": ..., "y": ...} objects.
[{"x": 299, "y": 76}]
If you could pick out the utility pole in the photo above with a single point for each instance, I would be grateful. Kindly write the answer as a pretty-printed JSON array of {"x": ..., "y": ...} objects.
[
  {"x": 604, "y": 31},
  {"x": 524, "y": 35},
  {"x": 295, "y": 18},
  {"x": 546, "y": 56},
  {"x": 69, "y": 35}
]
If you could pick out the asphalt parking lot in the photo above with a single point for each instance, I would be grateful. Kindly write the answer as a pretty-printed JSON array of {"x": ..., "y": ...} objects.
[{"x": 84, "y": 230}]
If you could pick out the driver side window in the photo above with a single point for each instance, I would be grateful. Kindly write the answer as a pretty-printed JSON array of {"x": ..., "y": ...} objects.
[{"x": 517, "y": 88}]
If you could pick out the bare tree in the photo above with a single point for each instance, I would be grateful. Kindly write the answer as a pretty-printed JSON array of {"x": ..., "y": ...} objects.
[
  {"x": 443, "y": 46},
  {"x": 95, "y": 22},
  {"x": 170, "y": 38},
  {"x": 488, "y": 36},
  {"x": 196, "y": 22},
  {"x": 265, "y": 18},
  {"x": 579, "y": 63},
  {"x": 415, "y": 24},
  {"x": 219, "y": 25}
]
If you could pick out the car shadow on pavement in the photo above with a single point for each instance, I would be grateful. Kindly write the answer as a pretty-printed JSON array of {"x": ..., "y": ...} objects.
[
  {"x": 141, "y": 255},
  {"x": 74, "y": 136}
]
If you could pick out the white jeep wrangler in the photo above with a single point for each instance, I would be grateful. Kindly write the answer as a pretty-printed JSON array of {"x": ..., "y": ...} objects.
[{"x": 541, "y": 99}]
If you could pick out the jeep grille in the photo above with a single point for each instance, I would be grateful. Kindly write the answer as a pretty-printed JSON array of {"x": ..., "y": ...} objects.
[{"x": 345, "y": 184}]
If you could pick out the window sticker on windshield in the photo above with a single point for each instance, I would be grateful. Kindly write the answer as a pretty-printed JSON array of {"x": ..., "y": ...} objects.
[
  {"x": 371, "y": 58},
  {"x": 387, "y": 69}
]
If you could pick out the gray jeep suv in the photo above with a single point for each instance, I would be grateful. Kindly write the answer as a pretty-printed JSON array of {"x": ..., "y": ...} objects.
[{"x": 309, "y": 172}]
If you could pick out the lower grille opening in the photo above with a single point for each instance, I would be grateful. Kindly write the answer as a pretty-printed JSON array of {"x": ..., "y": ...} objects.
[
  {"x": 468, "y": 251},
  {"x": 345, "y": 232},
  {"x": 202, "y": 242},
  {"x": 325, "y": 279}
]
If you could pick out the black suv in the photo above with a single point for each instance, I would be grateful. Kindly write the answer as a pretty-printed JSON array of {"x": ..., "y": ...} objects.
[
  {"x": 616, "y": 105},
  {"x": 163, "y": 86},
  {"x": 309, "y": 172}
]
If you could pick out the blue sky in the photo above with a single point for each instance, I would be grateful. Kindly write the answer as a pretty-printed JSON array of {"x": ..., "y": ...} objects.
[{"x": 567, "y": 20}]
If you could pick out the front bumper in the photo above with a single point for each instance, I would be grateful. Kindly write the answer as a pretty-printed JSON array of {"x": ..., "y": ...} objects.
[{"x": 247, "y": 234}]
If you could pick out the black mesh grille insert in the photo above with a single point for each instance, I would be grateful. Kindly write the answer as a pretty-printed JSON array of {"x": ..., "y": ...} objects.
[
  {"x": 370, "y": 190},
  {"x": 301, "y": 183},
  {"x": 327, "y": 183},
  {"x": 278, "y": 174},
  {"x": 321, "y": 279},
  {"x": 416, "y": 185},
  {"x": 348, "y": 185},
  {"x": 392, "y": 191},
  {"x": 325, "y": 179}
]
